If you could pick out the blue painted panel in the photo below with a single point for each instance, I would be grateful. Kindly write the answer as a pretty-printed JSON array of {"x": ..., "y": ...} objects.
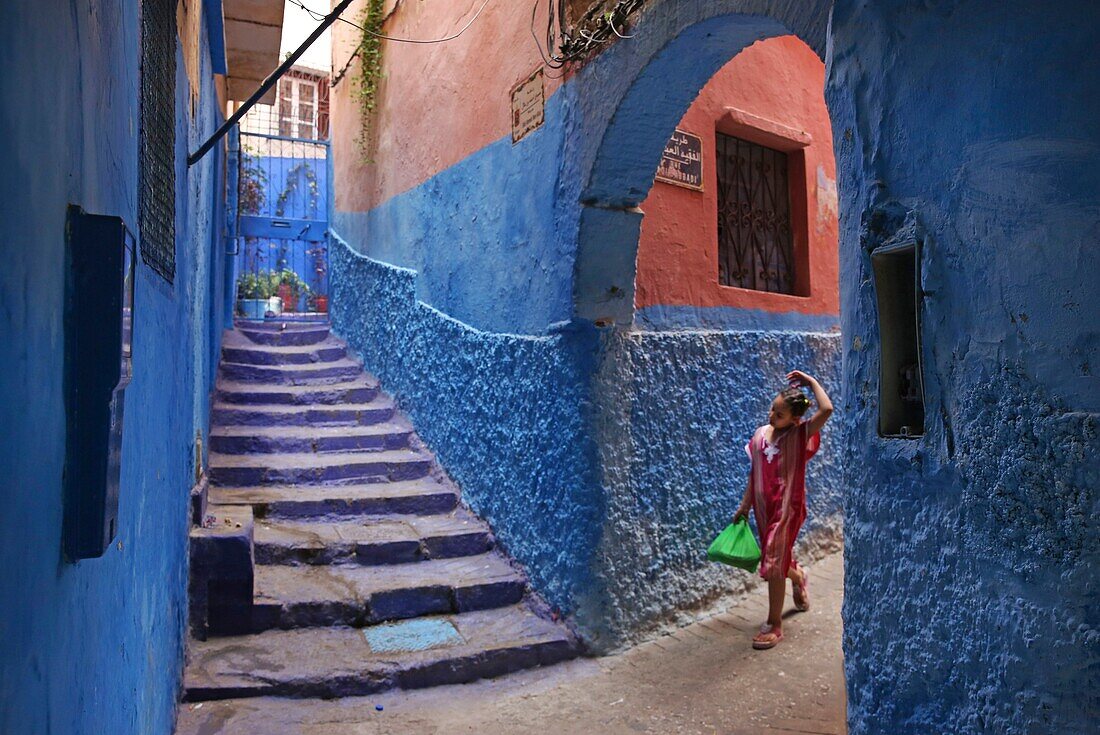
[
  {"x": 412, "y": 635},
  {"x": 215, "y": 31},
  {"x": 283, "y": 228}
]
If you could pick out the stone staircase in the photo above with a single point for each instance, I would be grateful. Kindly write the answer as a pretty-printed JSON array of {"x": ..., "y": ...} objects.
[{"x": 333, "y": 557}]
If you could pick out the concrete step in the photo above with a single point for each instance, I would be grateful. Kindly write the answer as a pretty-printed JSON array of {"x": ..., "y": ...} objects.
[
  {"x": 337, "y": 371},
  {"x": 375, "y": 540},
  {"x": 316, "y": 469},
  {"x": 303, "y": 439},
  {"x": 236, "y": 348},
  {"x": 379, "y": 410},
  {"x": 363, "y": 389},
  {"x": 313, "y": 596},
  {"x": 338, "y": 502},
  {"x": 292, "y": 334},
  {"x": 340, "y": 662}
]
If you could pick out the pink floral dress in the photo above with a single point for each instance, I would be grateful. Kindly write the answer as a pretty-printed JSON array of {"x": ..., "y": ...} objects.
[{"x": 779, "y": 493}]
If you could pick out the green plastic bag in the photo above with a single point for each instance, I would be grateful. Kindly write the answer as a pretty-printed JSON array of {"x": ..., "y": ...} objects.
[{"x": 736, "y": 546}]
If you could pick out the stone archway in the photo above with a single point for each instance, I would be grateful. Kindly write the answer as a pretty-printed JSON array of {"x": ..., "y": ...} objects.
[
  {"x": 652, "y": 419},
  {"x": 644, "y": 90}
]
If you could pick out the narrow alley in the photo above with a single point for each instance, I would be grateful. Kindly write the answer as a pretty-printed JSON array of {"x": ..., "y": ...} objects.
[{"x": 539, "y": 367}]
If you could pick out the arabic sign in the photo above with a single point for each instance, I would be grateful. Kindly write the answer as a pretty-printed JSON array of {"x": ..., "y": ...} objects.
[
  {"x": 528, "y": 106},
  {"x": 682, "y": 162}
]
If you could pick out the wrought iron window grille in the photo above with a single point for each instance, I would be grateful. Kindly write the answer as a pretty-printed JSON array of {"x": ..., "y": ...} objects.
[
  {"x": 755, "y": 239},
  {"x": 157, "y": 170}
]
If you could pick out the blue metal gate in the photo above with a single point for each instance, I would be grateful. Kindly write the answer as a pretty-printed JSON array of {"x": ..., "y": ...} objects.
[{"x": 281, "y": 221}]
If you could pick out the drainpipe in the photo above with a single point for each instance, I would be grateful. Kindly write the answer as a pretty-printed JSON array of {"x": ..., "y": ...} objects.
[{"x": 268, "y": 83}]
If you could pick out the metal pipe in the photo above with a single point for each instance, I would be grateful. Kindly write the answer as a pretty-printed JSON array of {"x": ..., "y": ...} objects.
[{"x": 268, "y": 83}]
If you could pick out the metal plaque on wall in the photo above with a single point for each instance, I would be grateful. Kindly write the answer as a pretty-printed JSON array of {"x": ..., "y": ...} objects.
[
  {"x": 682, "y": 162},
  {"x": 528, "y": 106}
]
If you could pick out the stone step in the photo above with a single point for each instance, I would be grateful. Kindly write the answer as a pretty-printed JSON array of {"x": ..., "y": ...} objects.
[
  {"x": 313, "y": 596},
  {"x": 313, "y": 374},
  {"x": 234, "y": 439},
  {"x": 293, "y": 334},
  {"x": 361, "y": 390},
  {"x": 380, "y": 410},
  {"x": 282, "y": 469},
  {"x": 373, "y": 540},
  {"x": 243, "y": 351},
  {"x": 340, "y": 662},
  {"x": 338, "y": 502}
]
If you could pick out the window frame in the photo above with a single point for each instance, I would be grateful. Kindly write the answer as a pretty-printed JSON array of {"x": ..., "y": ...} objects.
[
  {"x": 293, "y": 120},
  {"x": 793, "y": 143}
]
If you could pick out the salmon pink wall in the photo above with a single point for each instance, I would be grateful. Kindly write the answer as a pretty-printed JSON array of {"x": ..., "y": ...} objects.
[
  {"x": 437, "y": 103},
  {"x": 776, "y": 85}
]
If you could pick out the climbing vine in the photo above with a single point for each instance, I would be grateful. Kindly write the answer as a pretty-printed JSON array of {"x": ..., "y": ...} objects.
[
  {"x": 252, "y": 183},
  {"x": 366, "y": 82},
  {"x": 292, "y": 186}
]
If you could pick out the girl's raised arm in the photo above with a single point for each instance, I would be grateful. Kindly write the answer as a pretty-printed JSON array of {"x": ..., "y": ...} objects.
[{"x": 824, "y": 405}]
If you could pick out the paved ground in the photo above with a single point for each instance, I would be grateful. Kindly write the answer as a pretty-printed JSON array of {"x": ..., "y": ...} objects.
[{"x": 703, "y": 679}]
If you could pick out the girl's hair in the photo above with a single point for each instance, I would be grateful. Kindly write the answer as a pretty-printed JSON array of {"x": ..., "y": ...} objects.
[{"x": 796, "y": 400}]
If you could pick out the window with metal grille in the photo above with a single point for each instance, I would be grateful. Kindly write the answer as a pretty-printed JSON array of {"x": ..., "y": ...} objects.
[
  {"x": 157, "y": 190},
  {"x": 298, "y": 100},
  {"x": 754, "y": 217}
]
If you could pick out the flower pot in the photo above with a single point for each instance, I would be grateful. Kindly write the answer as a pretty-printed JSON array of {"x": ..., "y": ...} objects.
[
  {"x": 322, "y": 304},
  {"x": 287, "y": 295},
  {"x": 275, "y": 305},
  {"x": 252, "y": 308}
]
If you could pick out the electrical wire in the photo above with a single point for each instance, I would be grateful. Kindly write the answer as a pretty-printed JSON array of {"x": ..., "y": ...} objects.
[
  {"x": 320, "y": 16},
  {"x": 355, "y": 54}
]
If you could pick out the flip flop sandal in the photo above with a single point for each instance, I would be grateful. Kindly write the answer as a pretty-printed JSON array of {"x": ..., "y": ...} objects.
[
  {"x": 802, "y": 593},
  {"x": 763, "y": 645}
]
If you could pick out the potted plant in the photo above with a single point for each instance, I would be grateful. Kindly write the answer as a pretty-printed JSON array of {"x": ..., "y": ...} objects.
[
  {"x": 254, "y": 292},
  {"x": 291, "y": 288}
]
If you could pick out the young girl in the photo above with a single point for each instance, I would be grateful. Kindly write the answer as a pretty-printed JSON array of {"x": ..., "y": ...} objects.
[{"x": 776, "y": 493}]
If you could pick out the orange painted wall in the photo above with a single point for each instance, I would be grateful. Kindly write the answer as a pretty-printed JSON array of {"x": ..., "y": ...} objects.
[
  {"x": 781, "y": 80},
  {"x": 438, "y": 103}
]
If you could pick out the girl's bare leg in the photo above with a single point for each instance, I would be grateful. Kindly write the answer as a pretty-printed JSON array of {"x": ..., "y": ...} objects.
[
  {"x": 777, "y": 591},
  {"x": 772, "y": 632}
]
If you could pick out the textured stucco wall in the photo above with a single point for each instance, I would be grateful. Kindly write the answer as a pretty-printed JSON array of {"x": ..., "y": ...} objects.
[
  {"x": 95, "y": 646},
  {"x": 675, "y": 412},
  {"x": 504, "y": 413},
  {"x": 971, "y": 554}
]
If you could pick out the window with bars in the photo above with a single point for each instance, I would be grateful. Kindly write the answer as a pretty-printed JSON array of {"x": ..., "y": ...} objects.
[
  {"x": 755, "y": 244},
  {"x": 157, "y": 162},
  {"x": 298, "y": 100}
]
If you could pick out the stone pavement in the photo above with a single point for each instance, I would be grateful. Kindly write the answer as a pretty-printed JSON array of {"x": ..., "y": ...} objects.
[{"x": 703, "y": 679}]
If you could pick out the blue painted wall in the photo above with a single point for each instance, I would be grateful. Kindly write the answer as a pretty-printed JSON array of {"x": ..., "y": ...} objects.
[
  {"x": 484, "y": 235},
  {"x": 95, "y": 646},
  {"x": 971, "y": 554}
]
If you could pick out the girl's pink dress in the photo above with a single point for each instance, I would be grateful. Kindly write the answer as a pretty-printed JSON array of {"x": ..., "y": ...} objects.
[{"x": 779, "y": 493}]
